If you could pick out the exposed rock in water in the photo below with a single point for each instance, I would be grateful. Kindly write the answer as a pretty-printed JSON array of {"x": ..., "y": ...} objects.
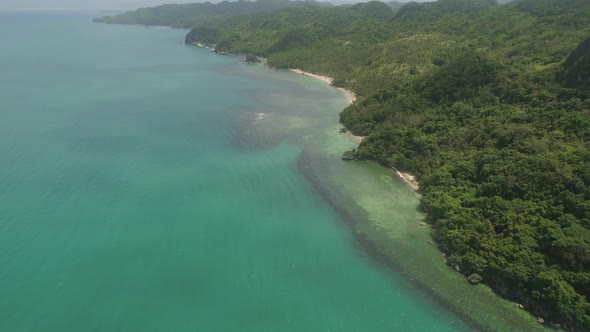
[
  {"x": 343, "y": 130},
  {"x": 349, "y": 155},
  {"x": 474, "y": 279},
  {"x": 540, "y": 320}
]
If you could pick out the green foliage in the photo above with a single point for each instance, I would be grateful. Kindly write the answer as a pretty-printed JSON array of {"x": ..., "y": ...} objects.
[
  {"x": 463, "y": 78},
  {"x": 575, "y": 71},
  {"x": 251, "y": 58},
  {"x": 375, "y": 9},
  {"x": 204, "y": 35},
  {"x": 395, "y": 5},
  {"x": 197, "y": 14},
  {"x": 441, "y": 7}
]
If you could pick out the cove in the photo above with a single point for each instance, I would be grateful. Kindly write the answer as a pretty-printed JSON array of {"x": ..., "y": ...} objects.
[{"x": 150, "y": 186}]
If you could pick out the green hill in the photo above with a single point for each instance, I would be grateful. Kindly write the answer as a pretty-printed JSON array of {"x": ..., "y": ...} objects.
[{"x": 194, "y": 14}]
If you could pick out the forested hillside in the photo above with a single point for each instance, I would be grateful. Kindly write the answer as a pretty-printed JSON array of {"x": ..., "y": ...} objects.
[
  {"x": 488, "y": 105},
  {"x": 194, "y": 14}
]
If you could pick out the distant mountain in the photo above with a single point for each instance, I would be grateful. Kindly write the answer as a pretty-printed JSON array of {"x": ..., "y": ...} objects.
[
  {"x": 395, "y": 5},
  {"x": 549, "y": 7},
  {"x": 375, "y": 9},
  {"x": 194, "y": 14},
  {"x": 442, "y": 7}
]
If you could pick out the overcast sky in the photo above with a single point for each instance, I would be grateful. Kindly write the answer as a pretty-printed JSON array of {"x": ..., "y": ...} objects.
[{"x": 103, "y": 4}]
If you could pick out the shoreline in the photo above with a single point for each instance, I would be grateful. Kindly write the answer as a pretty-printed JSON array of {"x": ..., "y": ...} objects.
[
  {"x": 366, "y": 244},
  {"x": 408, "y": 178},
  {"x": 443, "y": 285},
  {"x": 350, "y": 96},
  {"x": 354, "y": 137},
  {"x": 367, "y": 226}
]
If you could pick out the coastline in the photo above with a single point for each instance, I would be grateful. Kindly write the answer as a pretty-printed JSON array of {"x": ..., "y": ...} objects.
[
  {"x": 350, "y": 96},
  {"x": 408, "y": 178},
  {"x": 398, "y": 238},
  {"x": 203, "y": 45},
  {"x": 356, "y": 138}
]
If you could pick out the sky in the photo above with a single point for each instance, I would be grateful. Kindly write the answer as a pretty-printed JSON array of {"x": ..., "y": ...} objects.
[{"x": 101, "y": 4}]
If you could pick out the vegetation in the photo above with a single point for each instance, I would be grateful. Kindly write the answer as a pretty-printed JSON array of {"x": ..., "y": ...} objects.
[
  {"x": 195, "y": 14},
  {"x": 251, "y": 58},
  {"x": 488, "y": 105}
]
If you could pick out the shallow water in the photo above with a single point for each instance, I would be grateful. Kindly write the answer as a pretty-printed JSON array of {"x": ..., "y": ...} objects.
[
  {"x": 150, "y": 186},
  {"x": 383, "y": 214}
]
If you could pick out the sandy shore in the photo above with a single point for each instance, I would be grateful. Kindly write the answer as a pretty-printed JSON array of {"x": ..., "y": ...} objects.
[
  {"x": 351, "y": 98},
  {"x": 355, "y": 138},
  {"x": 349, "y": 95},
  {"x": 408, "y": 178}
]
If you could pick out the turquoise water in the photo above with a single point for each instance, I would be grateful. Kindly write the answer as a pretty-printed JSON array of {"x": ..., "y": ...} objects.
[{"x": 136, "y": 193}]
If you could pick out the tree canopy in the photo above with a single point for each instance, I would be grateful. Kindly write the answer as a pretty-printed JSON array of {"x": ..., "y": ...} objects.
[{"x": 195, "y": 14}]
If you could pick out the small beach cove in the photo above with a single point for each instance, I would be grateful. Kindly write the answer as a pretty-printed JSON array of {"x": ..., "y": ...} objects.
[{"x": 350, "y": 97}]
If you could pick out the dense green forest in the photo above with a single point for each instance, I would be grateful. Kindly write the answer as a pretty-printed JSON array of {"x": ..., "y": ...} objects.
[
  {"x": 191, "y": 15},
  {"x": 489, "y": 105},
  {"x": 194, "y": 14}
]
